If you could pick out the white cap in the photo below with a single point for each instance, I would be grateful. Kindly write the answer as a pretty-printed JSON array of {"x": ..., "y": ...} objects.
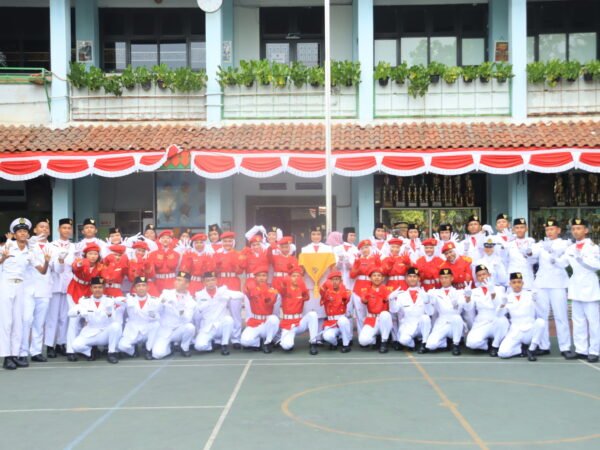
[{"x": 20, "y": 224}]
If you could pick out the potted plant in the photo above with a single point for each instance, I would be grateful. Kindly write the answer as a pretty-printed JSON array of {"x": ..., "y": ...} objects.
[
  {"x": 163, "y": 76},
  {"x": 383, "y": 72},
  {"x": 345, "y": 73},
  {"x": 77, "y": 75},
  {"x": 298, "y": 74},
  {"x": 94, "y": 79},
  {"x": 571, "y": 70},
  {"x": 502, "y": 72},
  {"x": 435, "y": 70},
  {"x": 112, "y": 85},
  {"x": 419, "y": 80},
  {"x": 246, "y": 74},
  {"x": 399, "y": 73},
  {"x": 485, "y": 71},
  {"x": 315, "y": 76},
  {"x": 591, "y": 71},
  {"x": 554, "y": 72},
  {"x": 186, "y": 80},
  {"x": 469, "y": 73},
  {"x": 536, "y": 72},
  {"x": 280, "y": 74},
  {"x": 227, "y": 76},
  {"x": 128, "y": 78},
  {"x": 262, "y": 70},
  {"x": 143, "y": 77},
  {"x": 451, "y": 74}
]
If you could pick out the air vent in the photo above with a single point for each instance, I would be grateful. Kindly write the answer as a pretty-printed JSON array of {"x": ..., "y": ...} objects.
[
  {"x": 273, "y": 186},
  {"x": 309, "y": 186}
]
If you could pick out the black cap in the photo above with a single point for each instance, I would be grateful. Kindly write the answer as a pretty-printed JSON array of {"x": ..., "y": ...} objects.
[
  {"x": 551, "y": 222},
  {"x": 185, "y": 275},
  {"x": 380, "y": 225},
  {"x": 445, "y": 227},
  {"x": 516, "y": 276},
  {"x": 96, "y": 281},
  {"x": 41, "y": 220},
  {"x": 445, "y": 272},
  {"x": 65, "y": 221},
  {"x": 413, "y": 226},
  {"x": 150, "y": 226},
  {"x": 579, "y": 221},
  {"x": 89, "y": 221},
  {"x": 519, "y": 221},
  {"x": 480, "y": 267},
  {"x": 209, "y": 274},
  {"x": 114, "y": 230},
  {"x": 347, "y": 231},
  {"x": 319, "y": 228},
  {"x": 473, "y": 218},
  {"x": 501, "y": 216},
  {"x": 412, "y": 271},
  {"x": 139, "y": 280}
]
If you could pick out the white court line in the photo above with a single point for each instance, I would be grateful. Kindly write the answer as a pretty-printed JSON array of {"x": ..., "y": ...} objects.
[
  {"x": 225, "y": 412},
  {"x": 589, "y": 365},
  {"x": 110, "y": 408}
]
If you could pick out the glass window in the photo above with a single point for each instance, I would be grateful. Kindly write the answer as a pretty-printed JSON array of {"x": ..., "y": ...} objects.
[
  {"x": 582, "y": 47},
  {"x": 308, "y": 53},
  {"x": 171, "y": 23},
  {"x": 385, "y": 50},
  {"x": 173, "y": 54},
  {"x": 115, "y": 55},
  {"x": 442, "y": 19},
  {"x": 9, "y": 53},
  {"x": 385, "y": 19},
  {"x": 275, "y": 21},
  {"x": 197, "y": 22},
  {"x": 143, "y": 23},
  {"x": 474, "y": 19},
  {"x": 310, "y": 20},
  {"x": 198, "y": 55},
  {"x": 414, "y": 50},
  {"x": 530, "y": 49},
  {"x": 113, "y": 23},
  {"x": 413, "y": 19},
  {"x": 36, "y": 54},
  {"x": 553, "y": 46},
  {"x": 473, "y": 51},
  {"x": 443, "y": 49},
  {"x": 278, "y": 52},
  {"x": 144, "y": 54}
]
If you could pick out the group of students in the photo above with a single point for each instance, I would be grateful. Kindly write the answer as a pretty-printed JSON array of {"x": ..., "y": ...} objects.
[{"x": 156, "y": 294}]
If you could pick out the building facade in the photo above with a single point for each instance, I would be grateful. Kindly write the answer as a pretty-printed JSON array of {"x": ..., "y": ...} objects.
[{"x": 442, "y": 109}]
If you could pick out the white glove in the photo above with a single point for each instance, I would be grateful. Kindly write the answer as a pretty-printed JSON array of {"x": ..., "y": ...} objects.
[
  {"x": 552, "y": 261},
  {"x": 488, "y": 229},
  {"x": 152, "y": 314},
  {"x": 547, "y": 245},
  {"x": 436, "y": 236},
  {"x": 468, "y": 290},
  {"x": 466, "y": 245},
  {"x": 454, "y": 237},
  {"x": 506, "y": 232}
]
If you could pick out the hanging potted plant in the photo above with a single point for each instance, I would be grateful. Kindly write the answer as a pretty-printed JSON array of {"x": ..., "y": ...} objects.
[
  {"x": 280, "y": 74},
  {"x": 227, "y": 76},
  {"x": 112, "y": 85},
  {"x": 316, "y": 76},
  {"x": 163, "y": 76},
  {"x": 143, "y": 77},
  {"x": 298, "y": 74},
  {"x": 571, "y": 70},
  {"x": 77, "y": 75},
  {"x": 451, "y": 74},
  {"x": 485, "y": 71},
  {"x": 419, "y": 80},
  {"x": 399, "y": 73},
  {"x": 554, "y": 72},
  {"x": 469, "y": 73},
  {"x": 383, "y": 72},
  {"x": 536, "y": 72},
  {"x": 591, "y": 71},
  {"x": 128, "y": 78},
  {"x": 502, "y": 72},
  {"x": 246, "y": 74},
  {"x": 94, "y": 79},
  {"x": 435, "y": 70}
]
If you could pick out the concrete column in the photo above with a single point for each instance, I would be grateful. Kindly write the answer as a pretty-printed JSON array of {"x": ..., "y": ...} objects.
[
  {"x": 87, "y": 198},
  {"x": 517, "y": 47},
  {"x": 364, "y": 13},
  {"x": 366, "y": 206},
  {"x": 354, "y": 217},
  {"x": 62, "y": 203},
  {"x": 518, "y": 200},
  {"x": 60, "y": 56},
  {"x": 214, "y": 46},
  {"x": 213, "y": 204},
  {"x": 497, "y": 197},
  {"x": 87, "y": 27},
  {"x": 228, "y": 30},
  {"x": 226, "y": 188},
  {"x": 497, "y": 24}
]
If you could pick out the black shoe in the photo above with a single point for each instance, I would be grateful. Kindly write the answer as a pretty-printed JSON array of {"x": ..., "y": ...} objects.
[
  {"x": 61, "y": 349},
  {"x": 422, "y": 349},
  {"x": 540, "y": 352},
  {"x": 93, "y": 353},
  {"x": 397, "y": 346},
  {"x": 71, "y": 357},
  {"x": 267, "y": 348},
  {"x": 524, "y": 350},
  {"x": 593, "y": 358},
  {"x": 333, "y": 347},
  {"x": 313, "y": 349},
  {"x": 9, "y": 364},
  {"x": 39, "y": 358},
  {"x": 531, "y": 355},
  {"x": 346, "y": 349},
  {"x": 21, "y": 361},
  {"x": 224, "y": 350},
  {"x": 409, "y": 349},
  {"x": 493, "y": 352},
  {"x": 581, "y": 356},
  {"x": 237, "y": 346},
  {"x": 185, "y": 353},
  {"x": 136, "y": 352},
  {"x": 112, "y": 358},
  {"x": 50, "y": 352},
  {"x": 568, "y": 354},
  {"x": 148, "y": 355},
  {"x": 383, "y": 347},
  {"x": 456, "y": 350}
]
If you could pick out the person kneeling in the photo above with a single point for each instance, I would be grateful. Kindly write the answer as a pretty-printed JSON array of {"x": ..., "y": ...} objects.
[
  {"x": 335, "y": 298},
  {"x": 379, "y": 319}
]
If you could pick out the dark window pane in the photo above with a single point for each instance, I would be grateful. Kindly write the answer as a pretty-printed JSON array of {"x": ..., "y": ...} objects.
[
  {"x": 143, "y": 23},
  {"x": 197, "y": 22},
  {"x": 113, "y": 23},
  {"x": 37, "y": 53},
  {"x": 38, "y": 22},
  {"x": 584, "y": 17},
  {"x": 385, "y": 19},
  {"x": 553, "y": 16},
  {"x": 115, "y": 55},
  {"x": 172, "y": 23},
  {"x": 144, "y": 54},
  {"x": 173, "y": 54},
  {"x": 310, "y": 20},
  {"x": 442, "y": 19},
  {"x": 413, "y": 19},
  {"x": 10, "y": 55},
  {"x": 474, "y": 18},
  {"x": 275, "y": 20}
]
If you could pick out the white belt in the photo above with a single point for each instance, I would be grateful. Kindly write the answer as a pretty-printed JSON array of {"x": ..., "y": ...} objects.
[
  {"x": 113, "y": 285},
  {"x": 228, "y": 275},
  {"x": 372, "y": 315},
  {"x": 429, "y": 281},
  {"x": 249, "y": 275},
  {"x": 77, "y": 280},
  {"x": 335, "y": 317},
  {"x": 396, "y": 277},
  {"x": 259, "y": 317},
  {"x": 13, "y": 280},
  {"x": 164, "y": 276},
  {"x": 196, "y": 278},
  {"x": 362, "y": 277},
  {"x": 292, "y": 316},
  {"x": 280, "y": 274}
]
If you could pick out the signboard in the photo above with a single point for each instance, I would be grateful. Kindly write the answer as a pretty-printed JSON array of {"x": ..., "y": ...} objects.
[{"x": 501, "y": 51}]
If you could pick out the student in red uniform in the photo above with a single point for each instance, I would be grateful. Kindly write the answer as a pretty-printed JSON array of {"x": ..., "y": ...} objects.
[
  {"x": 115, "y": 269},
  {"x": 197, "y": 261},
  {"x": 429, "y": 265},
  {"x": 335, "y": 298},
  {"x": 396, "y": 264},
  {"x": 363, "y": 264},
  {"x": 293, "y": 296},
  {"x": 379, "y": 319},
  {"x": 459, "y": 265},
  {"x": 141, "y": 266},
  {"x": 165, "y": 261},
  {"x": 253, "y": 256},
  {"x": 84, "y": 269},
  {"x": 282, "y": 260}
]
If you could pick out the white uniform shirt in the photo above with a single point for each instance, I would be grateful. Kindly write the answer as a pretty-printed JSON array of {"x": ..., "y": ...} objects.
[
  {"x": 40, "y": 285},
  {"x": 97, "y": 316},
  {"x": 484, "y": 305},
  {"x": 550, "y": 274},
  {"x": 447, "y": 301},
  {"x": 16, "y": 265},
  {"x": 521, "y": 308},
  {"x": 583, "y": 285},
  {"x": 211, "y": 310},
  {"x": 177, "y": 309},
  {"x": 380, "y": 246},
  {"x": 495, "y": 266},
  {"x": 472, "y": 245},
  {"x": 139, "y": 318},
  {"x": 345, "y": 255},
  {"x": 518, "y": 262},
  {"x": 409, "y": 312},
  {"x": 62, "y": 273},
  {"x": 81, "y": 245}
]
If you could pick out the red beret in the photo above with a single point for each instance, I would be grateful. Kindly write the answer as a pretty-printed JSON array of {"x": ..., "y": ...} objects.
[
  {"x": 285, "y": 240},
  {"x": 261, "y": 269},
  {"x": 91, "y": 248},
  {"x": 334, "y": 274},
  {"x": 199, "y": 237},
  {"x": 430, "y": 242},
  {"x": 375, "y": 269},
  {"x": 395, "y": 241},
  {"x": 228, "y": 235},
  {"x": 165, "y": 233},
  {"x": 140, "y": 244},
  {"x": 364, "y": 242},
  {"x": 120, "y": 249},
  {"x": 448, "y": 246},
  {"x": 253, "y": 239},
  {"x": 297, "y": 269}
]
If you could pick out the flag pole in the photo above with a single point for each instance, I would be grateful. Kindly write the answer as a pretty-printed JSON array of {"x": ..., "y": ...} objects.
[{"x": 328, "y": 188}]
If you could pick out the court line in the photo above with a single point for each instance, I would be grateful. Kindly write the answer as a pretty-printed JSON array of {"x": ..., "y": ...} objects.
[
  {"x": 228, "y": 405},
  {"x": 109, "y": 413},
  {"x": 585, "y": 363},
  {"x": 124, "y": 408},
  {"x": 451, "y": 406}
]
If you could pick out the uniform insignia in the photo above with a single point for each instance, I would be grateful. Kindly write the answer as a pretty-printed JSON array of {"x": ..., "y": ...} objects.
[{"x": 22, "y": 221}]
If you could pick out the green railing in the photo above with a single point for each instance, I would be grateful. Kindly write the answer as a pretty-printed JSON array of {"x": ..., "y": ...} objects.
[{"x": 27, "y": 75}]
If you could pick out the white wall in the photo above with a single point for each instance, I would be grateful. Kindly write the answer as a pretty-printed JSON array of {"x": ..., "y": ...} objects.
[
  {"x": 23, "y": 104},
  {"x": 246, "y": 34},
  {"x": 341, "y": 32}
]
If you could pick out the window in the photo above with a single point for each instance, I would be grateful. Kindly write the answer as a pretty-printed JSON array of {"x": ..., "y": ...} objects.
[
  {"x": 292, "y": 34},
  {"x": 453, "y": 35},
  {"x": 565, "y": 30},
  {"x": 146, "y": 37}
]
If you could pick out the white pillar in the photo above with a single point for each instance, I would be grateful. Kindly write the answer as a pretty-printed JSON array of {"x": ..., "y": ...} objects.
[
  {"x": 62, "y": 203},
  {"x": 60, "y": 56},
  {"x": 214, "y": 45},
  {"x": 366, "y": 206},
  {"x": 517, "y": 25},
  {"x": 518, "y": 201},
  {"x": 365, "y": 56},
  {"x": 213, "y": 204},
  {"x": 87, "y": 27}
]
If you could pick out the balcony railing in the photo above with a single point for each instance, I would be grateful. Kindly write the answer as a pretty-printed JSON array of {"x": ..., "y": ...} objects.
[{"x": 24, "y": 95}]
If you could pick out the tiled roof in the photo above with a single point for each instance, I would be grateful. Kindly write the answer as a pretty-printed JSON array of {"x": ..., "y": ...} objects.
[{"x": 303, "y": 137}]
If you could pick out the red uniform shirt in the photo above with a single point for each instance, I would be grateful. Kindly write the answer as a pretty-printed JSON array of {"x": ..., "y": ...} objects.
[
  {"x": 227, "y": 266},
  {"x": 251, "y": 260},
  {"x": 360, "y": 271},
  {"x": 142, "y": 267},
  {"x": 292, "y": 302},
  {"x": 395, "y": 267},
  {"x": 282, "y": 265},
  {"x": 334, "y": 302},
  {"x": 376, "y": 299},
  {"x": 165, "y": 264},
  {"x": 82, "y": 276},
  {"x": 461, "y": 269},
  {"x": 429, "y": 271},
  {"x": 196, "y": 264},
  {"x": 262, "y": 299},
  {"x": 114, "y": 272}
]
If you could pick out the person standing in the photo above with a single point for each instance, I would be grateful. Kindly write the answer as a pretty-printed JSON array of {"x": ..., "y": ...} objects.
[
  {"x": 89, "y": 232},
  {"x": 429, "y": 265},
  {"x": 197, "y": 261},
  {"x": 520, "y": 253},
  {"x": 165, "y": 261},
  {"x": 282, "y": 261},
  {"x": 345, "y": 254}
]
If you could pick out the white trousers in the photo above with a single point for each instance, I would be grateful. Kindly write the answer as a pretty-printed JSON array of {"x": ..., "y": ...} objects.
[
  {"x": 360, "y": 311},
  {"x": 108, "y": 336},
  {"x": 74, "y": 327},
  {"x": 165, "y": 336},
  {"x": 55, "y": 330},
  {"x": 383, "y": 326},
  {"x": 586, "y": 327},
  {"x": 235, "y": 307},
  {"x": 252, "y": 335},
  {"x": 407, "y": 332},
  {"x": 35, "y": 310},
  {"x": 557, "y": 299},
  {"x": 131, "y": 338},
  {"x": 343, "y": 330},
  {"x": 220, "y": 330},
  {"x": 11, "y": 317},
  {"x": 495, "y": 329},
  {"x": 511, "y": 344},
  {"x": 444, "y": 328},
  {"x": 310, "y": 322}
]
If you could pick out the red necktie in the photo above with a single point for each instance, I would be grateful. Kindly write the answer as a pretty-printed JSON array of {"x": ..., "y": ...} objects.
[
  {"x": 97, "y": 304},
  {"x": 346, "y": 247},
  {"x": 413, "y": 295},
  {"x": 580, "y": 246},
  {"x": 316, "y": 247},
  {"x": 446, "y": 291},
  {"x": 505, "y": 238},
  {"x": 518, "y": 297},
  {"x": 484, "y": 289},
  {"x": 474, "y": 241},
  {"x": 142, "y": 303}
]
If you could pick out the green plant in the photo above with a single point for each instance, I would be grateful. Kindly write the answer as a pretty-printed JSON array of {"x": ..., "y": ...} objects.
[
  {"x": 94, "y": 78},
  {"x": 419, "y": 80},
  {"x": 554, "y": 72},
  {"x": 186, "y": 80},
  {"x": 571, "y": 70},
  {"x": 451, "y": 74},
  {"x": 399, "y": 73},
  {"x": 485, "y": 71},
  {"x": 383, "y": 71},
  {"x": 345, "y": 73},
  {"x": 246, "y": 74},
  {"x": 436, "y": 70},
  {"x": 143, "y": 77},
  {"x": 262, "y": 70},
  {"x": 280, "y": 74},
  {"x": 77, "y": 75},
  {"x": 591, "y": 70},
  {"x": 128, "y": 78},
  {"x": 536, "y": 72},
  {"x": 227, "y": 76},
  {"x": 502, "y": 71},
  {"x": 298, "y": 74},
  {"x": 469, "y": 73},
  {"x": 163, "y": 75},
  {"x": 113, "y": 85},
  {"x": 316, "y": 76}
]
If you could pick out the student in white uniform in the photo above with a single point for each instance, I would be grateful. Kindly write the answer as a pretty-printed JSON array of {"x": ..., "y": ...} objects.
[
  {"x": 63, "y": 250},
  {"x": 214, "y": 315},
  {"x": 89, "y": 232},
  {"x": 520, "y": 253},
  {"x": 345, "y": 255},
  {"x": 551, "y": 281},
  {"x": 525, "y": 329},
  {"x": 584, "y": 291},
  {"x": 379, "y": 240},
  {"x": 176, "y": 315},
  {"x": 15, "y": 260},
  {"x": 142, "y": 319},
  {"x": 491, "y": 259},
  {"x": 102, "y": 327},
  {"x": 474, "y": 237}
]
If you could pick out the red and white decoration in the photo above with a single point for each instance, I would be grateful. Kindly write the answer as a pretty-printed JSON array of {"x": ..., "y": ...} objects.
[
  {"x": 76, "y": 164},
  {"x": 222, "y": 164}
]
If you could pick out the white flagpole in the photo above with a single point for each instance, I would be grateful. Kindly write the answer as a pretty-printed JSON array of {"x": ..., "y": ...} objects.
[{"x": 328, "y": 193}]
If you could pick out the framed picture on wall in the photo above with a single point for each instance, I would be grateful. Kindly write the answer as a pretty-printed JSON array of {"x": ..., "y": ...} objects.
[{"x": 179, "y": 200}]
